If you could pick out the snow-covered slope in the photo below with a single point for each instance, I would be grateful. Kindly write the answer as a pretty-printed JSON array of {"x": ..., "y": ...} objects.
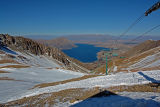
[
  {"x": 23, "y": 78},
  {"x": 21, "y": 70},
  {"x": 27, "y": 58},
  {"x": 25, "y": 70},
  {"x": 148, "y": 60},
  {"x": 27, "y": 49},
  {"x": 102, "y": 81},
  {"x": 145, "y": 61},
  {"x": 144, "y": 58}
]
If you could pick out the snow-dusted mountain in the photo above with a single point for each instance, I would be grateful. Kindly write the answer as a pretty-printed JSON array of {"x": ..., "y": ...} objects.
[
  {"x": 145, "y": 56},
  {"x": 34, "y": 75},
  {"x": 25, "y": 63},
  {"x": 27, "y": 51}
]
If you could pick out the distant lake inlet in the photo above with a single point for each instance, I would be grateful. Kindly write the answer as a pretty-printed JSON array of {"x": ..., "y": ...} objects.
[{"x": 84, "y": 52}]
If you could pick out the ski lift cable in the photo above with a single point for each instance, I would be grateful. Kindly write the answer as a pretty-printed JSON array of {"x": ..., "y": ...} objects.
[
  {"x": 129, "y": 28},
  {"x": 153, "y": 8},
  {"x": 144, "y": 34},
  {"x": 149, "y": 11}
]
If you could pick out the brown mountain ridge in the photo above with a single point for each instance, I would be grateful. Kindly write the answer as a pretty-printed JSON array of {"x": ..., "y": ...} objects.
[
  {"x": 60, "y": 43},
  {"x": 26, "y": 45}
]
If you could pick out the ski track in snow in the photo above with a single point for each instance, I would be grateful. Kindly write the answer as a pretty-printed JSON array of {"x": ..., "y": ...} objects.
[
  {"x": 102, "y": 81},
  {"x": 34, "y": 60},
  {"x": 149, "y": 61}
]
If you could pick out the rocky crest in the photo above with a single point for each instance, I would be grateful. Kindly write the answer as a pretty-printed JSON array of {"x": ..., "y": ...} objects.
[{"x": 28, "y": 45}]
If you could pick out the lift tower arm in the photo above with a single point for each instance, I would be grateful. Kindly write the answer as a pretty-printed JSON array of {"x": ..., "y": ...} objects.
[{"x": 153, "y": 8}]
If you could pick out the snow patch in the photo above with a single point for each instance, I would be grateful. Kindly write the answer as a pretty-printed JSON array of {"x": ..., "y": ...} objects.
[
  {"x": 115, "y": 69},
  {"x": 149, "y": 61},
  {"x": 7, "y": 50},
  {"x": 29, "y": 78}
]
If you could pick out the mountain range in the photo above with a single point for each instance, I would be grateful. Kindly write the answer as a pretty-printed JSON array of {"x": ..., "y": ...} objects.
[
  {"x": 27, "y": 46},
  {"x": 33, "y": 74},
  {"x": 60, "y": 43}
]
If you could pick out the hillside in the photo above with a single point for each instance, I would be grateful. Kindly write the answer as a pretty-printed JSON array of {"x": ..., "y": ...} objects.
[
  {"x": 32, "y": 74},
  {"x": 28, "y": 46},
  {"x": 25, "y": 63},
  {"x": 144, "y": 56},
  {"x": 145, "y": 46},
  {"x": 60, "y": 43},
  {"x": 127, "y": 89}
]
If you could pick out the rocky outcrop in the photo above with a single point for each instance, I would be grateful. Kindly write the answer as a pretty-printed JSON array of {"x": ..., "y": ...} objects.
[{"x": 28, "y": 45}]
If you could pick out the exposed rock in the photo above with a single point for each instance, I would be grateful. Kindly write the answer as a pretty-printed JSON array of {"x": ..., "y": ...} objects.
[{"x": 28, "y": 45}]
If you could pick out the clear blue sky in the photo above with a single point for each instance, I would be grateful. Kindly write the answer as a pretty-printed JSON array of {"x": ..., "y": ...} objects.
[{"x": 63, "y": 17}]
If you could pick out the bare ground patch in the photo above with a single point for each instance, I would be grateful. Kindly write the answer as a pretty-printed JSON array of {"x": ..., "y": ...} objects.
[
  {"x": 4, "y": 71},
  {"x": 63, "y": 82},
  {"x": 151, "y": 87},
  {"x": 15, "y": 66},
  {"x": 7, "y": 78},
  {"x": 8, "y": 61},
  {"x": 51, "y": 99}
]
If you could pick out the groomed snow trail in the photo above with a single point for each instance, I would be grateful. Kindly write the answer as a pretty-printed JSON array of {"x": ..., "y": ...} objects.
[{"x": 101, "y": 81}]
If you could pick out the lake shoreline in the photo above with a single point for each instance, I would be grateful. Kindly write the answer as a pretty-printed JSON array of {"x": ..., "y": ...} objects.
[{"x": 85, "y": 53}]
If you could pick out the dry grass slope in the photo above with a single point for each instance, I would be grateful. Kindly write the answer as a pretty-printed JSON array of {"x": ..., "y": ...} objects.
[
  {"x": 6, "y": 78},
  {"x": 79, "y": 94},
  {"x": 8, "y": 61},
  {"x": 123, "y": 63},
  {"x": 15, "y": 66},
  {"x": 3, "y": 71}
]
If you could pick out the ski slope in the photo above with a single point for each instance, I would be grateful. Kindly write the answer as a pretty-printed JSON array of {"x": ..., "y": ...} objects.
[
  {"x": 40, "y": 69},
  {"x": 102, "y": 81},
  {"x": 26, "y": 78},
  {"x": 43, "y": 69},
  {"x": 149, "y": 61}
]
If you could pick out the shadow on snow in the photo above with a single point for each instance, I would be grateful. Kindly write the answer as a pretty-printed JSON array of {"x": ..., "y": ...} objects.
[
  {"x": 109, "y": 99},
  {"x": 5, "y": 49},
  {"x": 148, "y": 78}
]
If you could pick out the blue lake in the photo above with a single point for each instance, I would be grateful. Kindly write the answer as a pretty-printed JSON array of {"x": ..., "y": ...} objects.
[{"x": 84, "y": 52}]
